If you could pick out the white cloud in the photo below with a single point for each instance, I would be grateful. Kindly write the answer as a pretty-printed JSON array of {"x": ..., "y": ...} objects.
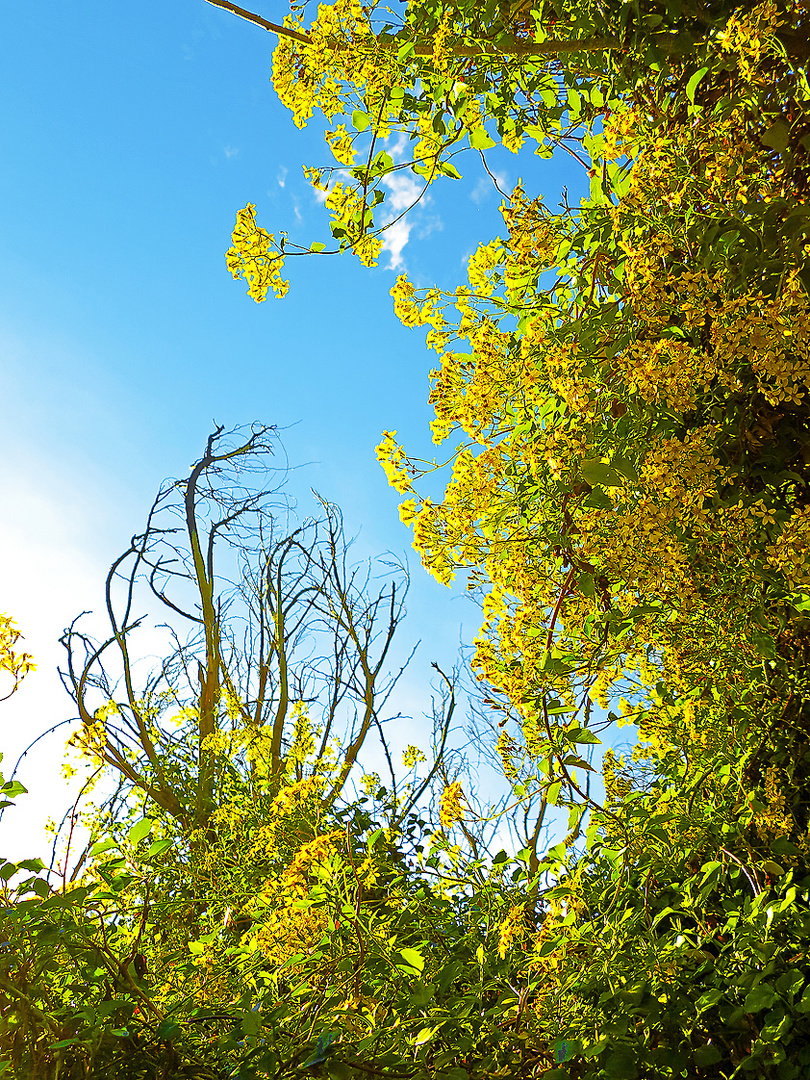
[
  {"x": 282, "y": 176},
  {"x": 394, "y": 240},
  {"x": 230, "y": 152},
  {"x": 403, "y": 189},
  {"x": 484, "y": 187}
]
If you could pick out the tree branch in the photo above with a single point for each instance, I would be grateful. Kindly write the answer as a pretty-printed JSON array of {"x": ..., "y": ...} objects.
[
  {"x": 552, "y": 47},
  {"x": 274, "y": 28}
]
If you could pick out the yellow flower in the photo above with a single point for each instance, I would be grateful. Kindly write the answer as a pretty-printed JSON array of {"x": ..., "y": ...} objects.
[
  {"x": 411, "y": 756},
  {"x": 450, "y": 810},
  {"x": 256, "y": 256},
  {"x": 392, "y": 458},
  {"x": 511, "y": 928}
]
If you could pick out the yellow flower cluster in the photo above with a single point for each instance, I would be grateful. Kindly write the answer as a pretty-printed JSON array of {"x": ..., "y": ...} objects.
[
  {"x": 505, "y": 748},
  {"x": 790, "y": 553},
  {"x": 415, "y": 312},
  {"x": 620, "y": 134},
  {"x": 617, "y": 787},
  {"x": 16, "y": 664},
  {"x": 303, "y": 739},
  {"x": 350, "y": 213},
  {"x": 411, "y": 756},
  {"x": 450, "y": 808},
  {"x": 295, "y": 879},
  {"x": 750, "y": 36},
  {"x": 286, "y": 924},
  {"x": 775, "y": 820},
  {"x": 392, "y": 458},
  {"x": 431, "y": 541},
  {"x": 429, "y": 145},
  {"x": 256, "y": 256},
  {"x": 642, "y": 349},
  {"x": 442, "y": 48},
  {"x": 339, "y": 51},
  {"x": 512, "y": 930},
  {"x": 342, "y": 144},
  {"x": 295, "y": 796},
  {"x": 482, "y": 265},
  {"x": 668, "y": 371}
]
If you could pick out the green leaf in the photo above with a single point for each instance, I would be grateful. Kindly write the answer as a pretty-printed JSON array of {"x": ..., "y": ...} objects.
[
  {"x": 564, "y": 1050},
  {"x": 764, "y": 644},
  {"x": 598, "y": 500},
  {"x": 585, "y": 584},
  {"x": 14, "y": 787},
  {"x": 577, "y": 762},
  {"x": 480, "y": 139},
  {"x": 360, "y": 120},
  {"x": 692, "y": 85},
  {"x": 706, "y": 1055},
  {"x": 598, "y": 473},
  {"x": 317, "y": 246},
  {"x": 710, "y": 998},
  {"x": 582, "y": 735},
  {"x": 625, "y": 467},
  {"x": 157, "y": 847},
  {"x": 321, "y": 1047},
  {"x": 31, "y": 864},
  {"x": 554, "y": 665},
  {"x": 447, "y": 168},
  {"x": 710, "y": 869},
  {"x": 777, "y": 136},
  {"x": 140, "y": 830},
  {"x": 779, "y": 846},
  {"x": 422, "y": 994},
  {"x": 595, "y": 1048},
  {"x": 761, "y": 997},
  {"x": 102, "y": 846},
  {"x": 251, "y": 1022},
  {"x": 621, "y": 1064},
  {"x": 168, "y": 1029},
  {"x": 413, "y": 958},
  {"x": 790, "y": 982}
]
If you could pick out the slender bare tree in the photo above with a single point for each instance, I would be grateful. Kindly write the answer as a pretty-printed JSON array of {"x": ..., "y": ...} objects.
[{"x": 261, "y": 620}]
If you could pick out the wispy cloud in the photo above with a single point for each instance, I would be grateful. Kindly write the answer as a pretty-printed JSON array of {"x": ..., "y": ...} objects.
[
  {"x": 485, "y": 188},
  {"x": 282, "y": 176},
  {"x": 403, "y": 189},
  {"x": 231, "y": 151}
]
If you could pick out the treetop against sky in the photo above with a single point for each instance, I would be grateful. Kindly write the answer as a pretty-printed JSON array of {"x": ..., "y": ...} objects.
[{"x": 132, "y": 137}]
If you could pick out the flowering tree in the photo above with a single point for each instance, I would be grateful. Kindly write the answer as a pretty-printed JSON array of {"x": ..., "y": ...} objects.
[{"x": 627, "y": 387}]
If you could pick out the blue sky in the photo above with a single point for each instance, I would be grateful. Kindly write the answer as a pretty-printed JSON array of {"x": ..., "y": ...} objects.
[{"x": 130, "y": 134}]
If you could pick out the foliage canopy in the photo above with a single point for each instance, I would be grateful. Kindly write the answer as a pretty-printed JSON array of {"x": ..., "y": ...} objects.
[{"x": 623, "y": 391}]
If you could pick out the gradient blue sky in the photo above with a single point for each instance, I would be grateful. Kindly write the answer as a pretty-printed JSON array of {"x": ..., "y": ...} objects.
[{"x": 130, "y": 134}]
